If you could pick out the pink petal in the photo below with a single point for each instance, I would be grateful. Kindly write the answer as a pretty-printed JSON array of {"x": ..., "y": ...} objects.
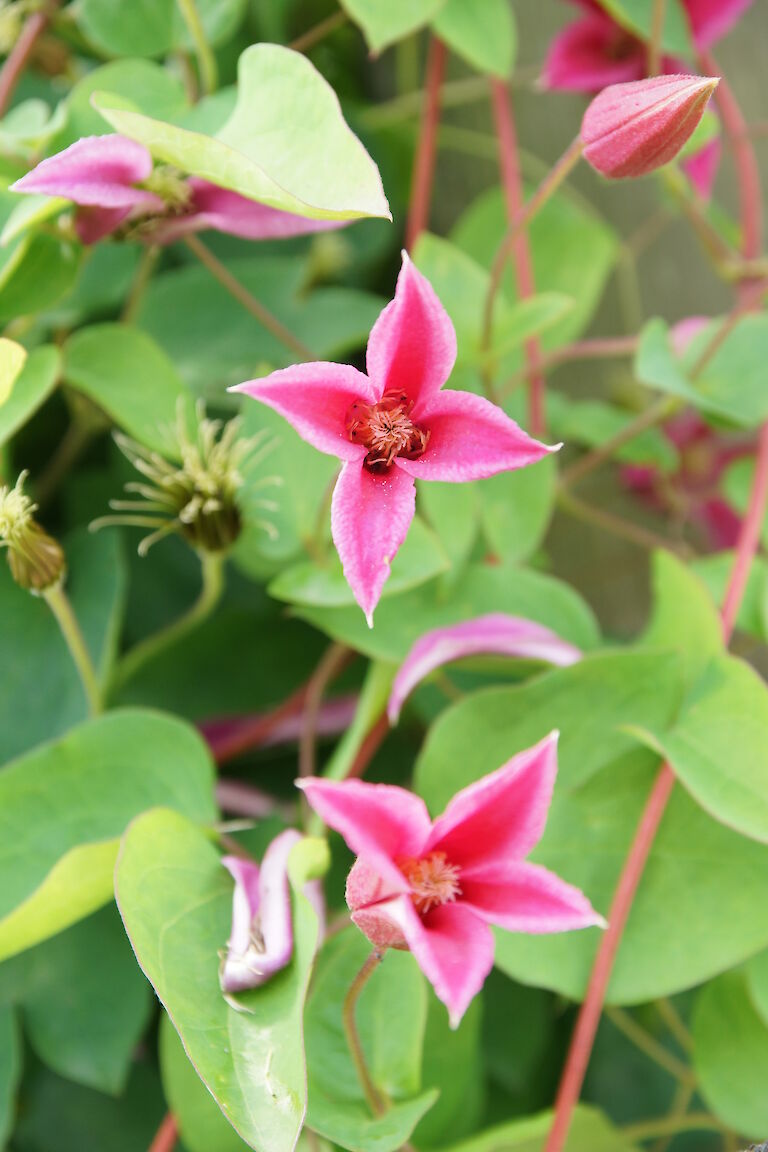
[
  {"x": 469, "y": 439},
  {"x": 370, "y": 518},
  {"x": 630, "y": 130},
  {"x": 224, "y": 211},
  {"x": 682, "y": 333},
  {"x": 366, "y": 891},
  {"x": 711, "y": 19},
  {"x": 495, "y": 634},
  {"x": 452, "y": 946},
  {"x": 98, "y": 171},
  {"x": 412, "y": 346},
  {"x": 379, "y": 822},
  {"x": 581, "y": 57},
  {"x": 245, "y": 899},
  {"x": 701, "y": 168},
  {"x": 523, "y": 897},
  {"x": 502, "y": 816},
  {"x": 315, "y": 398}
]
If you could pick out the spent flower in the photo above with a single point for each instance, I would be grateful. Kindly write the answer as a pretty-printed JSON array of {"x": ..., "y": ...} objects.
[
  {"x": 196, "y": 495},
  {"x": 35, "y": 559},
  {"x": 393, "y": 426},
  {"x": 436, "y": 887},
  {"x": 118, "y": 191}
]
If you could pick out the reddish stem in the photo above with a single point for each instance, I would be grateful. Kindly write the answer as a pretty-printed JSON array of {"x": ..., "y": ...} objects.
[
  {"x": 747, "y": 170},
  {"x": 18, "y": 57},
  {"x": 589, "y": 1014},
  {"x": 251, "y": 733},
  {"x": 509, "y": 161},
  {"x": 241, "y": 799},
  {"x": 426, "y": 149},
  {"x": 369, "y": 748},
  {"x": 166, "y": 1135}
]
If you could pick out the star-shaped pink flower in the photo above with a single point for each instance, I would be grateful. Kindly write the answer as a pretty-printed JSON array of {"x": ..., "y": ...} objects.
[
  {"x": 393, "y": 426},
  {"x": 112, "y": 180},
  {"x": 435, "y": 888}
]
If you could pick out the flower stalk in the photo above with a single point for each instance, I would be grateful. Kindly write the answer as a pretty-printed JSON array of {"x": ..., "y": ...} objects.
[
  {"x": 376, "y": 1101},
  {"x": 59, "y": 604},
  {"x": 426, "y": 148},
  {"x": 209, "y": 73}
]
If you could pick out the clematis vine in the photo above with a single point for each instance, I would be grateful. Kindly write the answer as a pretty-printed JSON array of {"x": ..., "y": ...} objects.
[
  {"x": 436, "y": 887},
  {"x": 594, "y": 51},
  {"x": 261, "y": 940},
  {"x": 118, "y": 191},
  {"x": 493, "y": 635},
  {"x": 393, "y": 426}
]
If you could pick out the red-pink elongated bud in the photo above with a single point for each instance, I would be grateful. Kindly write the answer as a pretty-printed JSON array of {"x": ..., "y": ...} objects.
[{"x": 632, "y": 129}]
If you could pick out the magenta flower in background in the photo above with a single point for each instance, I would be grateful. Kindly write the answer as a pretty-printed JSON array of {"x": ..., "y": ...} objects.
[
  {"x": 632, "y": 129},
  {"x": 494, "y": 635},
  {"x": 435, "y": 888},
  {"x": 112, "y": 181},
  {"x": 595, "y": 51},
  {"x": 393, "y": 426},
  {"x": 261, "y": 940}
]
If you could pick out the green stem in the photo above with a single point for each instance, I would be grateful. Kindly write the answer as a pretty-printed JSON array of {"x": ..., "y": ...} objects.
[
  {"x": 675, "y": 1024},
  {"x": 212, "y": 570},
  {"x": 681, "y": 1102},
  {"x": 208, "y": 70},
  {"x": 648, "y": 1044},
  {"x": 314, "y": 35},
  {"x": 376, "y": 1101},
  {"x": 143, "y": 275},
  {"x": 672, "y": 1126},
  {"x": 244, "y": 297},
  {"x": 59, "y": 604},
  {"x": 657, "y": 33}
]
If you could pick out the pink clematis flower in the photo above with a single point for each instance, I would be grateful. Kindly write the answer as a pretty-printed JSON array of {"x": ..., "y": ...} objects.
[
  {"x": 261, "y": 940},
  {"x": 632, "y": 129},
  {"x": 393, "y": 426},
  {"x": 595, "y": 51},
  {"x": 112, "y": 181},
  {"x": 435, "y": 888},
  {"x": 494, "y": 635}
]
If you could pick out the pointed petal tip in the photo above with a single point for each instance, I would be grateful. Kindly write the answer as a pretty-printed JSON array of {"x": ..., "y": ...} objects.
[{"x": 369, "y": 619}]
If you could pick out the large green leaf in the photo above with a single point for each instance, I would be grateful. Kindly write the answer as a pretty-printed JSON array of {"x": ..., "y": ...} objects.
[
  {"x": 716, "y": 570},
  {"x": 214, "y": 343},
  {"x": 10, "y": 1070},
  {"x": 589, "y": 702},
  {"x": 176, "y": 902},
  {"x": 516, "y": 508},
  {"x": 453, "y": 1063},
  {"x": 573, "y": 254},
  {"x": 31, "y": 388},
  {"x": 453, "y": 510},
  {"x": 590, "y": 1132},
  {"x": 420, "y": 559},
  {"x": 483, "y": 33},
  {"x": 684, "y": 617},
  {"x": 83, "y": 1000},
  {"x": 717, "y": 746},
  {"x": 201, "y": 1122},
  {"x": 41, "y": 695},
  {"x": 483, "y": 588},
  {"x": 731, "y": 1055},
  {"x": 58, "y": 857},
  {"x": 153, "y": 27},
  {"x": 36, "y": 272},
  {"x": 730, "y": 386},
  {"x": 384, "y": 24},
  {"x": 123, "y": 371},
  {"x": 757, "y": 978},
  {"x": 391, "y": 1018},
  {"x": 286, "y": 143}
]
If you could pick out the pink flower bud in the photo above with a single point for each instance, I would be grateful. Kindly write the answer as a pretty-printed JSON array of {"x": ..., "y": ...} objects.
[{"x": 632, "y": 129}]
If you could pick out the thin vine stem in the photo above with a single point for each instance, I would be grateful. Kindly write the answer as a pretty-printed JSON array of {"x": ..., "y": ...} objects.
[
  {"x": 672, "y": 1126},
  {"x": 333, "y": 661},
  {"x": 657, "y": 32},
  {"x": 426, "y": 147},
  {"x": 167, "y": 1135},
  {"x": 209, "y": 73},
  {"x": 249, "y": 302},
  {"x": 319, "y": 32},
  {"x": 650, "y": 1046},
  {"x": 376, "y": 1101},
  {"x": 212, "y": 571},
  {"x": 599, "y": 348},
  {"x": 616, "y": 526},
  {"x": 674, "y": 1024},
  {"x": 146, "y": 267},
  {"x": 20, "y": 54},
  {"x": 652, "y": 416},
  {"x": 59, "y": 604}
]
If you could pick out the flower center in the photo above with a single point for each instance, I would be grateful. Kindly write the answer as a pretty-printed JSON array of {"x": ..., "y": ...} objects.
[
  {"x": 433, "y": 880},
  {"x": 386, "y": 430}
]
